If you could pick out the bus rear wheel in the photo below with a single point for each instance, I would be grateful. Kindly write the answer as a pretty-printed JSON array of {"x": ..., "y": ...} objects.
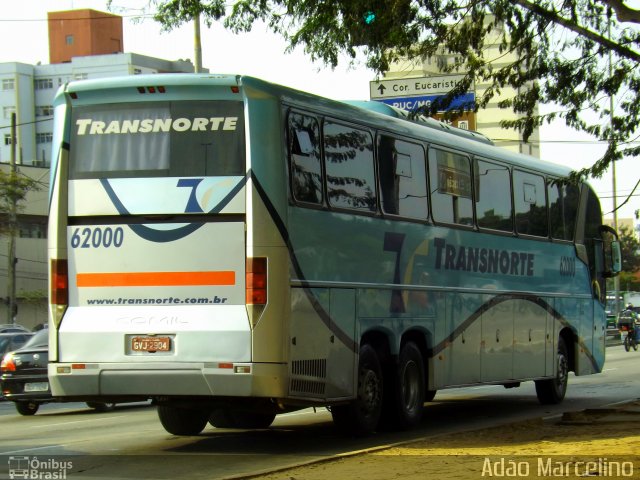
[
  {"x": 182, "y": 421},
  {"x": 361, "y": 416},
  {"x": 405, "y": 390},
  {"x": 552, "y": 391}
]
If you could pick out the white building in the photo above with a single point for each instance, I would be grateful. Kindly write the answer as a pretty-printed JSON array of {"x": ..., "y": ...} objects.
[
  {"x": 28, "y": 90},
  {"x": 486, "y": 121}
]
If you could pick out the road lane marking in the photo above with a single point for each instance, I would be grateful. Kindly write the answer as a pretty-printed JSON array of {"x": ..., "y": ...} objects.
[
  {"x": 77, "y": 421},
  {"x": 13, "y": 452}
]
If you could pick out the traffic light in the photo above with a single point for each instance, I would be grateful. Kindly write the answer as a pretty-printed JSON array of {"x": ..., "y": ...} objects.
[{"x": 369, "y": 17}]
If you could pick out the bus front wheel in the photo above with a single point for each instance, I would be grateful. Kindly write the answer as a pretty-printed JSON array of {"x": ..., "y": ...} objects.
[
  {"x": 183, "y": 421},
  {"x": 552, "y": 391},
  {"x": 361, "y": 416}
]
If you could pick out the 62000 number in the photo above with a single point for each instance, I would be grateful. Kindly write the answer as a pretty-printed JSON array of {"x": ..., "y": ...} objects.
[{"x": 97, "y": 237}]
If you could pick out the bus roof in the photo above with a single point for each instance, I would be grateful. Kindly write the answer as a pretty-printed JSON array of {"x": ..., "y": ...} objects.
[{"x": 375, "y": 114}]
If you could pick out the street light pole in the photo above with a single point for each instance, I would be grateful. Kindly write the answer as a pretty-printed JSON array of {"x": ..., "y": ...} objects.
[
  {"x": 11, "y": 267},
  {"x": 197, "y": 44}
]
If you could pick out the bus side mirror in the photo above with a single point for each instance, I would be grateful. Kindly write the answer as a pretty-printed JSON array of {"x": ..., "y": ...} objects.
[
  {"x": 612, "y": 252},
  {"x": 616, "y": 258}
]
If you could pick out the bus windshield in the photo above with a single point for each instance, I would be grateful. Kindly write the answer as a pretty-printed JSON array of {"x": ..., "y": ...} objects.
[{"x": 158, "y": 139}]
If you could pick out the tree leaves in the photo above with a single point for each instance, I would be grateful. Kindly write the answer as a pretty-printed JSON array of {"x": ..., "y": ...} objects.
[{"x": 574, "y": 54}]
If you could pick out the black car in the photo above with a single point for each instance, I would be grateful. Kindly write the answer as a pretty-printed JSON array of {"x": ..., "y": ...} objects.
[
  {"x": 12, "y": 327},
  {"x": 23, "y": 374},
  {"x": 12, "y": 341}
]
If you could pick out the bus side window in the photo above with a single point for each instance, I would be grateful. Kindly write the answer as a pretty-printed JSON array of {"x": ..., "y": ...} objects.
[
  {"x": 493, "y": 196},
  {"x": 348, "y": 161},
  {"x": 450, "y": 185},
  {"x": 403, "y": 178},
  {"x": 531, "y": 204},
  {"x": 563, "y": 210},
  {"x": 304, "y": 152}
]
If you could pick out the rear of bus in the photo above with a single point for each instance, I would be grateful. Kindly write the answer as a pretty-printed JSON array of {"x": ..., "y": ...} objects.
[{"x": 151, "y": 281}]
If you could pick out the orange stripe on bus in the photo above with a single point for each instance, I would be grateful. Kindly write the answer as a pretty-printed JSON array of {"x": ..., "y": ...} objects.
[{"x": 154, "y": 279}]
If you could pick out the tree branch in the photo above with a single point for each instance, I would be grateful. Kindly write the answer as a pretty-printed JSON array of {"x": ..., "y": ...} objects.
[{"x": 599, "y": 39}]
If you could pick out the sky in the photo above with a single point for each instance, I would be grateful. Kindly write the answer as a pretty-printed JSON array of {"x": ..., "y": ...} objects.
[{"x": 24, "y": 38}]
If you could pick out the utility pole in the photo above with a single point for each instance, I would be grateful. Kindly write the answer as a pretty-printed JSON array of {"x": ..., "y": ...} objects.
[
  {"x": 616, "y": 279},
  {"x": 12, "y": 306},
  {"x": 197, "y": 45}
]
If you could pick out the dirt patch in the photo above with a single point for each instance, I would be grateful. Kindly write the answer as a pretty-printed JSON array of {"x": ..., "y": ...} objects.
[{"x": 598, "y": 442}]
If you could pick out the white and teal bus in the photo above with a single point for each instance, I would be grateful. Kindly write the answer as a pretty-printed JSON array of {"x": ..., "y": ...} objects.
[{"x": 234, "y": 249}]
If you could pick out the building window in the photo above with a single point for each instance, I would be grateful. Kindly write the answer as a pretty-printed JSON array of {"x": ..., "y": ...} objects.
[
  {"x": 81, "y": 76},
  {"x": 7, "y": 111},
  {"x": 137, "y": 71},
  {"x": 44, "y": 111},
  {"x": 45, "y": 137},
  {"x": 8, "y": 84},
  {"x": 7, "y": 139},
  {"x": 43, "y": 83},
  {"x": 32, "y": 229},
  {"x": 69, "y": 39}
]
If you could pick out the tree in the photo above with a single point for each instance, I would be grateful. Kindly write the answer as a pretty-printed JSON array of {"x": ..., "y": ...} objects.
[
  {"x": 630, "y": 250},
  {"x": 13, "y": 191},
  {"x": 576, "y": 54}
]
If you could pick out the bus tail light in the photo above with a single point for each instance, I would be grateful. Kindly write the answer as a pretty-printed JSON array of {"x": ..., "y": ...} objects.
[
  {"x": 256, "y": 281},
  {"x": 59, "y": 294},
  {"x": 59, "y": 282}
]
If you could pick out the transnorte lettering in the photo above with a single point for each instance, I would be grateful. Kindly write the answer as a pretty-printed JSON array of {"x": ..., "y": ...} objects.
[
  {"x": 88, "y": 126},
  {"x": 483, "y": 260}
]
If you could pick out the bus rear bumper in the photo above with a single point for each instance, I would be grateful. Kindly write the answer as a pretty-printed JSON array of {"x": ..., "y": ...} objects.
[{"x": 194, "y": 379}]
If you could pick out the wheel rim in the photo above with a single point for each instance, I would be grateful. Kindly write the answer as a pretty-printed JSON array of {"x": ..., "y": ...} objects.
[
  {"x": 563, "y": 371},
  {"x": 370, "y": 392},
  {"x": 410, "y": 381}
]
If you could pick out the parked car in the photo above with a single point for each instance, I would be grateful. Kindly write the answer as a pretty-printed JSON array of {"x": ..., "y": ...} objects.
[
  {"x": 12, "y": 341},
  {"x": 23, "y": 376},
  {"x": 11, "y": 327}
]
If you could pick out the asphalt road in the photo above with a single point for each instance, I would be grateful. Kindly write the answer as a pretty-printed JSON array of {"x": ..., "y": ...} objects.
[{"x": 130, "y": 443}]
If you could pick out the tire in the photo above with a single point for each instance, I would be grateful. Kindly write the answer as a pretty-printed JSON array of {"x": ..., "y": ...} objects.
[
  {"x": 361, "y": 416},
  {"x": 27, "y": 408},
  {"x": 405, "y": 391},
  {"x": 552, "y": 391},
  {"x": 627, "y": 347},
  {"x": 101, "y": 407},
  {"x": 182, "y": 421},
  {"x": 223, "y": 418}
]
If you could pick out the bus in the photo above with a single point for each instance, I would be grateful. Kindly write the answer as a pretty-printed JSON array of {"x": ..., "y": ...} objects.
[{"x": 234, "y": 249}]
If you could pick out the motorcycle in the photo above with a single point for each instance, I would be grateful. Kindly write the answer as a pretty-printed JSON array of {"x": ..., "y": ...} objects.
[{"x": 632, "y": 339}]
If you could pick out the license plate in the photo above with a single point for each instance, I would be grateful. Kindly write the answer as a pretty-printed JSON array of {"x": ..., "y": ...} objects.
[
  {"x": 36, "y": 387},
  {"x": 150, "y": 344}
]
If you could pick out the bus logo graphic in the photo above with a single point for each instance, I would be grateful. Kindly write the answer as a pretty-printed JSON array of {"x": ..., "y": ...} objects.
[{"x": 18, "y": 467}]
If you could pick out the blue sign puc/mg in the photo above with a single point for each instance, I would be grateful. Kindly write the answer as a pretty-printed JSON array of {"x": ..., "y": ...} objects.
[{"x": 413, "y": 103}]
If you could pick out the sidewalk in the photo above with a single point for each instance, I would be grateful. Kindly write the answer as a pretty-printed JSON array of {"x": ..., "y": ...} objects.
[{"x": 602, "y": 442}]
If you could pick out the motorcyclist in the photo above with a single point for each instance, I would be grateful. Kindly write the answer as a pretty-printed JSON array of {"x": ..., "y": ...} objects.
[{"x": 630, "y": 315}]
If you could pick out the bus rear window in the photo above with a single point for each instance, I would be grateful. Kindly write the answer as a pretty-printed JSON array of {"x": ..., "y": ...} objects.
[{"x": 158, "y": 139}]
